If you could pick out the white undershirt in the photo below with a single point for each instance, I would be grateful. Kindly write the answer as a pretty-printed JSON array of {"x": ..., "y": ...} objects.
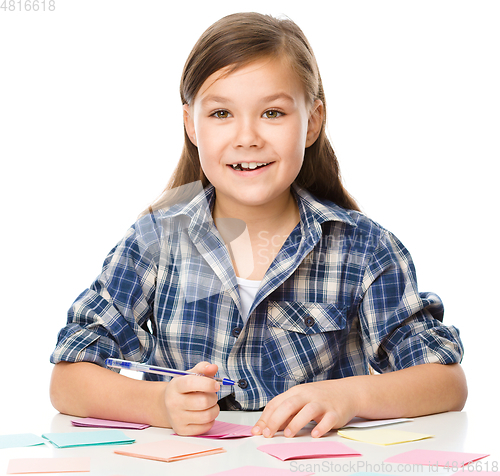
[{"x": 248, "y": 291}]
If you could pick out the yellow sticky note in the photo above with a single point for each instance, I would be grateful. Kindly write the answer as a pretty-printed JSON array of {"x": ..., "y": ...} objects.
[{"x": 383, "y": 436}]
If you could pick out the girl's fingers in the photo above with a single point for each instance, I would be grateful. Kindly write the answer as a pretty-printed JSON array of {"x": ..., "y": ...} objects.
[
  {"x": 266, "y": 414},
  {"x": 191, "y": 409},
  {"x": 296, "y": 408},
  {"x": 199, "y": 401},
  {"x": 258, "y": 428},
  {"x": 330, "y": 420},
  {"x": 303, "y": 417},
  {"x": 281, "y": 415},
  {"x": 197, "y": 423},
  {"x": 193, "y": 429},
  {"x": 205, "y": 368},
  {"x": 195, "y": 383}
]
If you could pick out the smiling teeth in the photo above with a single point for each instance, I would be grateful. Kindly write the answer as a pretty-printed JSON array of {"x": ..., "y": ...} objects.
[{"x": 248, "y": 165}]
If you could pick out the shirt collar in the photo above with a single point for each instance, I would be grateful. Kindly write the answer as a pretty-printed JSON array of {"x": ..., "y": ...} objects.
[
  {"x": 314, "y": 210},
  {"x": 196, "y": 203},
  {"x": 193, "y": 202}
]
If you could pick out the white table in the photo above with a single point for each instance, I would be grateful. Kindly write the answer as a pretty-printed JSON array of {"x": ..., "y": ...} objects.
[{"x": 456, "y": 431}]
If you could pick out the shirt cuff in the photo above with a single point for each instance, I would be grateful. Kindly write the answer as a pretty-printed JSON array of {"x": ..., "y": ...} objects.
[
  {"x": 440, "y": 345},
  {"x": 76, "y": 344}
]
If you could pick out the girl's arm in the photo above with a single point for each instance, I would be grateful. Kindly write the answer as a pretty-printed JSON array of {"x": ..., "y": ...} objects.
[
  {"x": 187, "y": 404},
  {"x": 415, "y": 391},
  {"x": 110, "y": 320}
]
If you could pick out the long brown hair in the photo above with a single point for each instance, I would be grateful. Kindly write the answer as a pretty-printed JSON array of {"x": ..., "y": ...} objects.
[{"x": 235, "y": 41}]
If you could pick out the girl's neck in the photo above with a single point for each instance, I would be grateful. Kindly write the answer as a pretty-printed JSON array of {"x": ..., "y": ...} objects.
[
  {"x": 267, "y": 229},
  {"x": 282, "y": 212}
]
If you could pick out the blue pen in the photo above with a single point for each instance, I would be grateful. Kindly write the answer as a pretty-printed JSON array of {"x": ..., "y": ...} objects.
[{"x": 152, "y": 369}]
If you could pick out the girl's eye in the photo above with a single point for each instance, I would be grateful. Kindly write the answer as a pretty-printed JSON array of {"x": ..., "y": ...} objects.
[
  {"x": 271, "y": 114},
  {"x": 221, "y": 114}
]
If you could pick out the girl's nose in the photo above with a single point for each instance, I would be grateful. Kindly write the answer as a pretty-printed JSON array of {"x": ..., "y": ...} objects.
[{"x": 247, "y": 135}]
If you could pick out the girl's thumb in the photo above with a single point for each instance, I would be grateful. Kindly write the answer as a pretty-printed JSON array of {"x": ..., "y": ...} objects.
[{"x": 205, "y": 368}]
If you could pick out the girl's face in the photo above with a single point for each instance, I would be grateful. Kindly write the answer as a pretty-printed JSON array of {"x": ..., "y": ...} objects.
[{"x": 252, "y": 127}]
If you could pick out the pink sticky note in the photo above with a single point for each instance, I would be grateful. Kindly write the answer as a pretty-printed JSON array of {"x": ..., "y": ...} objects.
[
  {"x": 99, "y": 423},
  {"x": 48, "y": 465},
  {"x": 311, "y": 449},
  {"x": 221, "y": 429},
  {"x": 451, "y": 459},
  {"x": 261, "y": 471},
  {"x": 168, "y": 450}
]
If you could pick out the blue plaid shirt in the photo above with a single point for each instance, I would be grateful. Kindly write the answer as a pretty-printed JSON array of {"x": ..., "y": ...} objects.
[{"x": 340, "y": 296}]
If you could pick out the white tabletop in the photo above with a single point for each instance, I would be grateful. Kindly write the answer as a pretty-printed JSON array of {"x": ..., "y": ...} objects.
[{"x": 455, "y": 431}]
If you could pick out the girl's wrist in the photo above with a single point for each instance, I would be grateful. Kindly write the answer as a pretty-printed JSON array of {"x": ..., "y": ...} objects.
[
  {"x": 358, "y": 393},
  {"x": 156, "y": 410}
]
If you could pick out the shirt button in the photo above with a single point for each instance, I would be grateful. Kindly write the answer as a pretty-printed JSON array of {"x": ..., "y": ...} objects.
[
  {"x": 242, "y": 383},
  {"x": 309, "y": 321},
  {"x": 236, "y": 332}
]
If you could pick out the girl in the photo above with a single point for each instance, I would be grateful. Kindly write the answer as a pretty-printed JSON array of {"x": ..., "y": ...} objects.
[{"x": 255, "y": 264}]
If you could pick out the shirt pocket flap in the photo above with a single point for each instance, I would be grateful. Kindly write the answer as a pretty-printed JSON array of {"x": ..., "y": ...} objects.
[{"x": 306, "y": 317}]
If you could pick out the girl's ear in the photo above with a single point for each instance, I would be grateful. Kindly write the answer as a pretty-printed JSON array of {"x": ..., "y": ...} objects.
[
  {"x": 315, "y": 122},
  {"x": 189, "y": 124}
]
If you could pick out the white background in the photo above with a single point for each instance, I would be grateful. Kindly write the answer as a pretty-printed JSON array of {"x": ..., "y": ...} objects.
[{"x": 90, "y": 130}]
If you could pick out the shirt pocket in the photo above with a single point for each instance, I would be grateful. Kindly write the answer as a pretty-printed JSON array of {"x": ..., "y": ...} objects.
[{"x": 302, "y": 339}]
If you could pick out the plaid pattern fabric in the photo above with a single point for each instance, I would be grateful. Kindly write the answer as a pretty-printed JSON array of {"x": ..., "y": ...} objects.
[{"x": 340, "y": 296}]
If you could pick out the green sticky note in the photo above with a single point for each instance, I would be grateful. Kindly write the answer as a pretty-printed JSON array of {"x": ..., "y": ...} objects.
[
  {"x": 20, "y": 440},
  {"x": 88, "y": 438}
]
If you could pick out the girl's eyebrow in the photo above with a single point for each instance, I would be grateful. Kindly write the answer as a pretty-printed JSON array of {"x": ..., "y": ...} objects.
[
  {"x": 212, "y": 98},
  {"x": 218, "y": 99},
  {"x": 273, "y": 97},
  {"x": 281, "y": 95}
]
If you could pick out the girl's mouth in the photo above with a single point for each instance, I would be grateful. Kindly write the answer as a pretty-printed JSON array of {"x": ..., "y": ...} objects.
[{"x": 247, "y": 166}]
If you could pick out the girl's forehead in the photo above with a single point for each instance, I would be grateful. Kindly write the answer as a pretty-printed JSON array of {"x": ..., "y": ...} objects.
[{"x": 259, "y": 75}]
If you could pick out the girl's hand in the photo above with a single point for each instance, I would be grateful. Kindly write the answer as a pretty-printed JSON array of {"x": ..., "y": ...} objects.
[
  {"x": 191, "y": 401},
  {"x": 331, "y": 403}
]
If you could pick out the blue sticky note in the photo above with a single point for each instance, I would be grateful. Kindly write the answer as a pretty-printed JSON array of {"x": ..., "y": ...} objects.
[
  {"x": 20, "y": 440},
  {"x": 88, "y": 438}
]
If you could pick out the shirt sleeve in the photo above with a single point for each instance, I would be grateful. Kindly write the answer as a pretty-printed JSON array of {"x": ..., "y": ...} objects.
[
  {"x": 401, "y": 327},
  {"x": 109, "y": 319}
]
